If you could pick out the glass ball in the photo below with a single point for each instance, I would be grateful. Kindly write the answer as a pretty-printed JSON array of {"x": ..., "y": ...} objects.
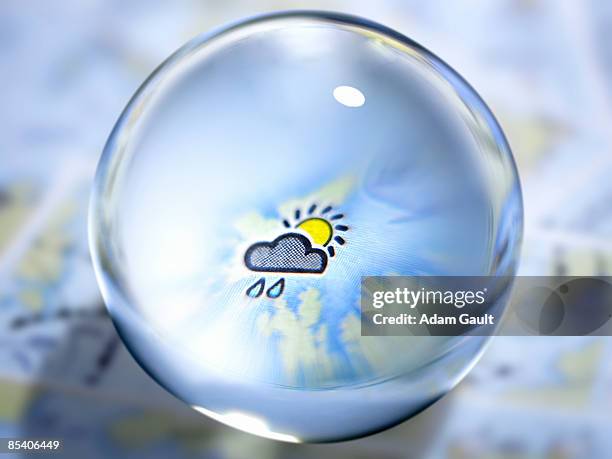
[{"x": 252, "y": 181}]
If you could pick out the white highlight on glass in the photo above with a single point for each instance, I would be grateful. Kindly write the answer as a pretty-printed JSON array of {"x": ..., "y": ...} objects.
[
  {"x": 349, "y": 96},
  {"x": 247, "y": 423}
]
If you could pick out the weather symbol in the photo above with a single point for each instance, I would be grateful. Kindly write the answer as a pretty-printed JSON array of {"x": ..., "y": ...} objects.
[{"x": 305, "y": 251}]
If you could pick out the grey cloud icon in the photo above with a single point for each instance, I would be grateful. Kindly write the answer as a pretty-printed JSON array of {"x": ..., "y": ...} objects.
[{"x": 288, "y": 253}]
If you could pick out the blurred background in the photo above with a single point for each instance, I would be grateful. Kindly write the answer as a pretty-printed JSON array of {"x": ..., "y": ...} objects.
[{"x": 68, "y": 69}]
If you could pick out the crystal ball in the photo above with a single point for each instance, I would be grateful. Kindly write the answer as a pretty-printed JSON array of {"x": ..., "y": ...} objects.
[{"x": 252, "y": 181}]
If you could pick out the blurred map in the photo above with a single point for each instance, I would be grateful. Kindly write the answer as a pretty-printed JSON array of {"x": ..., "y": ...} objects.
[{"x": 69, "y": 67}]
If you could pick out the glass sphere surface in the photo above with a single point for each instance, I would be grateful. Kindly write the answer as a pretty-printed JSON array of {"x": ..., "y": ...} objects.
[{"x": 252, "y": 181}]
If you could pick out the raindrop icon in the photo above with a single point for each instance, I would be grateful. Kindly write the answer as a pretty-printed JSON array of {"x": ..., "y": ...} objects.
[
  {"x": 277, "y": 289},
  {"x": 256, "y": 289}
]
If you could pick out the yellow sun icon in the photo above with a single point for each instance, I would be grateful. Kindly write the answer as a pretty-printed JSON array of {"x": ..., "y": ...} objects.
[
  {"x": 319, "y": 230},
  {"x": 320, "y": 227}
]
